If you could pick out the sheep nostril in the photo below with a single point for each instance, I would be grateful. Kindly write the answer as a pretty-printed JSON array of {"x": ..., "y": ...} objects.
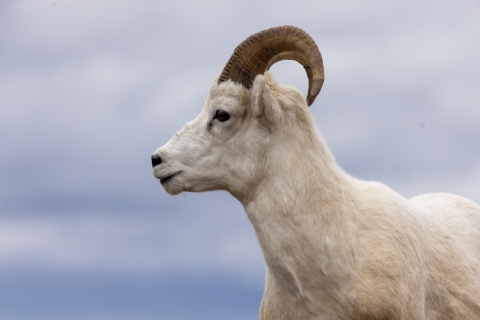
[{"x": 156, "y": 160}]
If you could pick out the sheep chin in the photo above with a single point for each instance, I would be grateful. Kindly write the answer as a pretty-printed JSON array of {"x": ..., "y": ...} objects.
[{"x": 171, "y": 185}]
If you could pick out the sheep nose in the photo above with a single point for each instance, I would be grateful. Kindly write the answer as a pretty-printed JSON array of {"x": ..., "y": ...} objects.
[{"x": 156, "y": 160}]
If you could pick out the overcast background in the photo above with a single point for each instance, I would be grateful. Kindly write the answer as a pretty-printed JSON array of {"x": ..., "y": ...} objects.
[{"x": 89, "y": 89}]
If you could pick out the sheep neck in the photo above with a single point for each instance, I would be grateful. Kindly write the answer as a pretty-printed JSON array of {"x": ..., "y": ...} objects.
[{"x": 298, "y": 212}]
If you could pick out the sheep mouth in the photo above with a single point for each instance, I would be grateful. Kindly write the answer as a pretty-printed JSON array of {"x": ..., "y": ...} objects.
[{"x": 168, "y": 178}]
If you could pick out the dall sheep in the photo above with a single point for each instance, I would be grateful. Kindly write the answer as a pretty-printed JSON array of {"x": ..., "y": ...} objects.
[{"x": 335, "y": 247}]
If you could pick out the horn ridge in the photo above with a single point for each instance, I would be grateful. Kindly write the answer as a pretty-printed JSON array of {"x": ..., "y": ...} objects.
[{"x": 260, "y": 51}]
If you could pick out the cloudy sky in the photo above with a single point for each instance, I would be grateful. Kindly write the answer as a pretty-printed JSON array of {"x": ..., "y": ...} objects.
[{"x": 89, "y": 89}]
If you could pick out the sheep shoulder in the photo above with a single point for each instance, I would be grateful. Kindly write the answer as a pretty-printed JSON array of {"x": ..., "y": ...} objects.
[{"x": 389, "y": 273}]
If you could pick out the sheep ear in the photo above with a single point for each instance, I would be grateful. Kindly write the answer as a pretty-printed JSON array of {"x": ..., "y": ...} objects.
[{"x": 265, "y": 107}]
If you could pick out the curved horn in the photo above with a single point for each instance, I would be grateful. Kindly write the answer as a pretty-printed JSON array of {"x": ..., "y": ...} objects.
[{"x": 259, "y": 52}]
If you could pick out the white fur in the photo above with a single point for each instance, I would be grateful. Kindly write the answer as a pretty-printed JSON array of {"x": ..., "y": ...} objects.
[{"x": 335, "y": 247}]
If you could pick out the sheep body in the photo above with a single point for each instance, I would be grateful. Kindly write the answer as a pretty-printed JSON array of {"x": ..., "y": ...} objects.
[{"x": 335, "y": 247}]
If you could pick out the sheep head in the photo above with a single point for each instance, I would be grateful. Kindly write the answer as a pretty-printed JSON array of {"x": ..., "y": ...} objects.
[{"x": 229, "y": 146}]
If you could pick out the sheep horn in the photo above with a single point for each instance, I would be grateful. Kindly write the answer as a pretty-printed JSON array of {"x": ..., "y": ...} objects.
[{"x": 259, "y": 52}]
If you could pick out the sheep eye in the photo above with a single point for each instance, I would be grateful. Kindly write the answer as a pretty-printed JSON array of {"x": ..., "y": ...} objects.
[{"x": 222, "y": 115}]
